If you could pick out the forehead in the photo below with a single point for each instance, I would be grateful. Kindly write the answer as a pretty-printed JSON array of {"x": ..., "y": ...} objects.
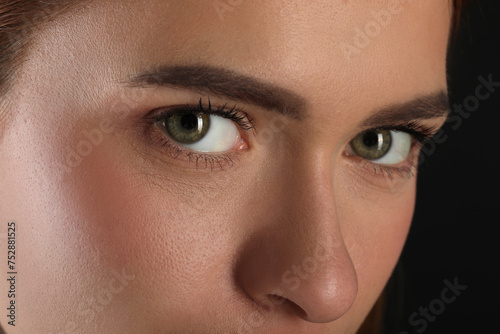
[{"x": 356, "y": 53}]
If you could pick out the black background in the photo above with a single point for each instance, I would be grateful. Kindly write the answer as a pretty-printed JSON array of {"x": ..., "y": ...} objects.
[{"x": 454, "y": 233}]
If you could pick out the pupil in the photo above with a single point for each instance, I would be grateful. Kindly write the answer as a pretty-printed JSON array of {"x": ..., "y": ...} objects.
[
  {"x": 371, "y": 139},
  {"x": 189, "y": 122}
]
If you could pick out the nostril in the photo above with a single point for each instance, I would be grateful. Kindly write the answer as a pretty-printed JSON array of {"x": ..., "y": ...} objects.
[
  {"x": 285, "y": 304},
  {"x": 277, "y": 299}
]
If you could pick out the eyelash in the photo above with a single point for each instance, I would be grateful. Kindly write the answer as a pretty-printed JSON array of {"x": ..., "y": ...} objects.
[
  {"x": 207, "y": 160},
  {"x": 420, "y": 133}
]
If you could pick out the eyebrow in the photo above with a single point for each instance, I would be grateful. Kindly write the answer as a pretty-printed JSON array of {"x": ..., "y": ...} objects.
[
  {"x": 434, "y": 105},
  {"x": 228, "y": 83},
  {"x": 247, "y": 89}
]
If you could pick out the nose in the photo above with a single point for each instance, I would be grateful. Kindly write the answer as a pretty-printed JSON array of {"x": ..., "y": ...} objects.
[{"x": 295, "y": 260}]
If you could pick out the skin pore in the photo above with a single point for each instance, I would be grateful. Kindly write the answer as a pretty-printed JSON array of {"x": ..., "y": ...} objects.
[{"x": 122, "y": 230}]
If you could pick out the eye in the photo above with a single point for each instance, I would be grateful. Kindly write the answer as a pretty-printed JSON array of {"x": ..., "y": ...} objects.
[
  {"x": 200, "y": 135},
  {"x": 200, "y": 131},
  {"x": 381, "y": 146}
]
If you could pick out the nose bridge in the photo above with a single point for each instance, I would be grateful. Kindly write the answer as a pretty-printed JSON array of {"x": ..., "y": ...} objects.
[
  {"x": 305, "y": 209},
  {"x": 298, "y": 251},
  {"x": 305, "y": 200}
]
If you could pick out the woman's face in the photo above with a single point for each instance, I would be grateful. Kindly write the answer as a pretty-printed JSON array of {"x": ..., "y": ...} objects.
[{"x": 137, "y": 212}]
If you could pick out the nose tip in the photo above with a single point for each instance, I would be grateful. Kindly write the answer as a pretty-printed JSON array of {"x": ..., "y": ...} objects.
[
  {"x": 324, "y": 285},
  {"x": 325, "y": 298},
  {"x": 320, "y": 287}
]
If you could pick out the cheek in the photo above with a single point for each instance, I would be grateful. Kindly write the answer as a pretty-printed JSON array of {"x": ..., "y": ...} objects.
[
  {"x": 53, "y": 253},
  {"x": 170, "y": 233},
  {"x": 375, "y": 230},
  {"x": 381, "y": 232},
  {"x": 102, "y": 237}
]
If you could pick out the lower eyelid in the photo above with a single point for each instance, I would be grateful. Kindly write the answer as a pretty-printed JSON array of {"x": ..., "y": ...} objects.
[
  {"x": 406, "y": 169},
  {"x": 198, "y": 160},
  {"x": 369, "y": 178},
  {"x": 391, "y": 172}
]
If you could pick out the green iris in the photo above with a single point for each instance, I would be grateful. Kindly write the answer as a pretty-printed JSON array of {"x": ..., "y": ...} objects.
[
  {"x": 373, "y": 144},
  {"x": 187, "y": 128}
]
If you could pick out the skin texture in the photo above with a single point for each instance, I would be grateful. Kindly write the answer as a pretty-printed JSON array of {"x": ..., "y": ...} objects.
[{"x": 201, "y": 250}]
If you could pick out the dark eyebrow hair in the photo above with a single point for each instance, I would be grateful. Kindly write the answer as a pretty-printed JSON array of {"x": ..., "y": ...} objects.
[
  {"x": 240, "y": 87},
  {"x": 224, "y": 82},
  {"x": 435, "y": 105}
]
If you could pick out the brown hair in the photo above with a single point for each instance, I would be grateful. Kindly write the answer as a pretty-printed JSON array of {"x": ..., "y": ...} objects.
[{"x": 18, "y": 20}]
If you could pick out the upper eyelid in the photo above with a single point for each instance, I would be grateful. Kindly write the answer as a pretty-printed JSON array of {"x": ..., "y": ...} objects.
[
  {"x": 411, "y": 127},
  {"x": 234, "y": 113}
]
